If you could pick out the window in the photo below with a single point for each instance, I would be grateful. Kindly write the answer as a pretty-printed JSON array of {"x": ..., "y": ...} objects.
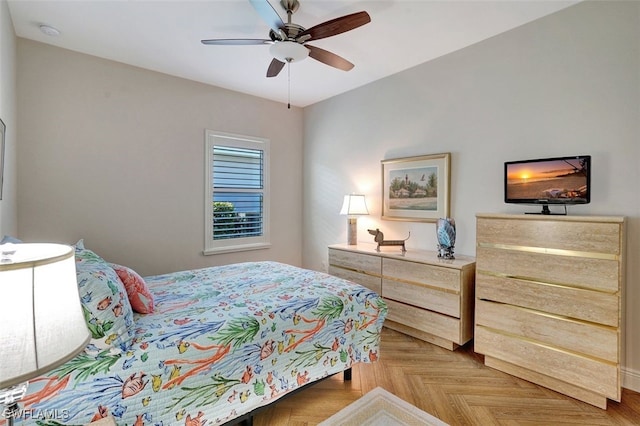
[{"x": 237, "y": 193}]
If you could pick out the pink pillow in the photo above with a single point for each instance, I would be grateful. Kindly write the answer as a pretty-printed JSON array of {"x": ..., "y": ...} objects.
[{"x": 139, "y": 295}]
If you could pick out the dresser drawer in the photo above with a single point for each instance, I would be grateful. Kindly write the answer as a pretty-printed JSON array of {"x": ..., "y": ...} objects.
[
  {"x": 600, "y": 274},
  {"x": 421, "y": 296},
  {"x": 433, "y": 323},
  {"x": 371, "y": 282},
  {"x": 428, "y": 275},
  {"x": 583, "y": 372},
  {"x": 356, "y": 261},
  {"x": 587, "y": 236}
]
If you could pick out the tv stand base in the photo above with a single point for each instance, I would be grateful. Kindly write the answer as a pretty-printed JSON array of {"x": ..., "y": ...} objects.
[{"x": 546, "y": 211}]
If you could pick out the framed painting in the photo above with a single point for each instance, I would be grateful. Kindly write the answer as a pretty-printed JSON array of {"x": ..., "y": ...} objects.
[
  {"x": 2, "y": 131},
  {"x": 416, "y": 188}
]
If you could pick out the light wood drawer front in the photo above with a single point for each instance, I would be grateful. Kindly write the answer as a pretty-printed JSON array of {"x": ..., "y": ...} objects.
[
  {"x": 369, "y": 281},
  {"x": 585, "y": 338},
  {"x": 599, "y": 377},
  {"x": 599, "y": 274},
  {"x": 356, "y": 261},
  {"x": 587, "y": 305},
  {"x": 422, "y": 297},
  {"x": 563, "y": 235},
  {"x": 434, "y": 276},
  {"x": 427, "y": 321}
]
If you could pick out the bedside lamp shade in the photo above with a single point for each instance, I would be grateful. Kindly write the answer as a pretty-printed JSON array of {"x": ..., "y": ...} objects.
[
  {"x": 41, "y": 321},
  {"x": 354, "y": 205}
]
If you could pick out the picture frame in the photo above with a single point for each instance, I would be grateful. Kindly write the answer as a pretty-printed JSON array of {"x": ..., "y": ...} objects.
[
  {"x": 416, "y": 189},
  {"x": 3, "y": 128}
]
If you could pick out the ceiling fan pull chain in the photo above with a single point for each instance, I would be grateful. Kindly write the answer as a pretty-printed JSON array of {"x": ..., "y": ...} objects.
[{"x": 288, "y": 84}]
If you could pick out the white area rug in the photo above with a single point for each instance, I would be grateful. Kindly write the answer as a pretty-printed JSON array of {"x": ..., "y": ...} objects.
[{"x": 381, "y": 408}]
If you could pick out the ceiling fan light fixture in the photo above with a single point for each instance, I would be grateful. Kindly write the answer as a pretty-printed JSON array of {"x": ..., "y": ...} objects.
[{"x": 288, "y": 51}]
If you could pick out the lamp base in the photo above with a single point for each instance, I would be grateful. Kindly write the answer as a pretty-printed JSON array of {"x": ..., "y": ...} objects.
[
  {"x": 9, "y": 398},
  {"x": 352, "y": 231}
]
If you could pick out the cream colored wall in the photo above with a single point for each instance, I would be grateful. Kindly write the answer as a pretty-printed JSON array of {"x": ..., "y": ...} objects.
[
  {"x": 566, "y": 84},
  {"x": 8, "y": 107},
  {"x": 115, "y": 154}
]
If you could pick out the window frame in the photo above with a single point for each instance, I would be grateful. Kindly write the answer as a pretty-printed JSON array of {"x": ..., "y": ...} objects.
[{"x": 211, "y": 246}]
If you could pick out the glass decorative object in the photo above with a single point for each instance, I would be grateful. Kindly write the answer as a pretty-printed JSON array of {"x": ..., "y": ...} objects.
[{"x": 446, "y": 233}]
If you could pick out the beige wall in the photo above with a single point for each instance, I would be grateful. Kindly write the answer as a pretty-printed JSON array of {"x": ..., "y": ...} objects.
[
  {"x": 115, "y": 154},
  {"x": 566, "y": 84},
  {"x": 8, "y": 113}
]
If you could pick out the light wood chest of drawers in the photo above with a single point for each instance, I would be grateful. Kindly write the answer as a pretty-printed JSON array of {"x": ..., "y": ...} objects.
[
  {"x": 549, "y": 301},
  {"x": 428, "y": 298}
]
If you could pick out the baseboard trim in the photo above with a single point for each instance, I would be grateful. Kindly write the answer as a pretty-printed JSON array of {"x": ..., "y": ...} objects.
[{"x": 631, "y": 379}]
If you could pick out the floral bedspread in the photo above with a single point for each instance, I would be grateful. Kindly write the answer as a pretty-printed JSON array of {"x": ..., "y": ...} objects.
[{"x": 221, "y": 342}]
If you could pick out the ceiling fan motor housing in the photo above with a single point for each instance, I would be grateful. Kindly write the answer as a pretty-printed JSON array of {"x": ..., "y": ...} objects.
[{"x": 291, "y": 31}]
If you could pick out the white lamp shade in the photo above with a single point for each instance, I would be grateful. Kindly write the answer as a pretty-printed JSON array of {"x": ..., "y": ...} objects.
[
  {"x": 288, "y": 51},
  {"x": 354, "y": 205},
  {"x": 41, "y": 320}
]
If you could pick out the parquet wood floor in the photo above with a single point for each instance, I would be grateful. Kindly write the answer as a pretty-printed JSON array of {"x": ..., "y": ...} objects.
[{"x": 453, "y": 386}]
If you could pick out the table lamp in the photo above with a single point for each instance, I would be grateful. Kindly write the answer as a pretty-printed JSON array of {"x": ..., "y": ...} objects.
[
  {"x": 41, "y": 320},
  {"x": 354, "y": 205}
]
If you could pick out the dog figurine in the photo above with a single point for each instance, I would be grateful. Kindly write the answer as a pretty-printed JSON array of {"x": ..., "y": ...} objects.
[{"x": 378, "y": 237}]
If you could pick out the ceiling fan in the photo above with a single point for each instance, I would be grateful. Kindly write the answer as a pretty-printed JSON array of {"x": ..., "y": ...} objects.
[{"x": 289, "y": 41}]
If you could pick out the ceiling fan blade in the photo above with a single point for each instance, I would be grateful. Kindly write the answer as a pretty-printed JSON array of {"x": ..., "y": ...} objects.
[
  {"x": 236, "y": 41},
  {"x": 337, "y": 26},
  {"x": 274, "y": 68},
  {"x": 268, "y": 14},
  {"x": 329, "y": 58}
]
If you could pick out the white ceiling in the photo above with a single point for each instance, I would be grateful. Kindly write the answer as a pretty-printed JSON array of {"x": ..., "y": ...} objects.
[{"x": 164, "y": 36}]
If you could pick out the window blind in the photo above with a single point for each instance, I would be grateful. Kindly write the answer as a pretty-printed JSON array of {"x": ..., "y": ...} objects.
[{"x": 238, "y": 199}]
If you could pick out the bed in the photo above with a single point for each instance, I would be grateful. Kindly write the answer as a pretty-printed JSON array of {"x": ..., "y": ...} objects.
[{"x": 215, "y": 345}]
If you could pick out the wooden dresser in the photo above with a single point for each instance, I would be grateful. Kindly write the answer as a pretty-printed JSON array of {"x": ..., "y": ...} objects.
[
  {"x": 428, "y": 298},
  {"x": 549, "y": 301}
]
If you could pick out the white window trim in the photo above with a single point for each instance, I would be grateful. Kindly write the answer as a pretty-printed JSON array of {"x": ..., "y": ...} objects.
[{"x": 236, "y": 244}]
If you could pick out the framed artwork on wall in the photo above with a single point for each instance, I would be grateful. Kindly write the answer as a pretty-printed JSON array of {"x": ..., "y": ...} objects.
[
  {"x": 416, "y": 188},
  {"x": 2, "y": 131}
]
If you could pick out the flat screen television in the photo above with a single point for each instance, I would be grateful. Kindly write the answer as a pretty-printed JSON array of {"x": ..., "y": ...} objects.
[{"x": 548, "y": 181}]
